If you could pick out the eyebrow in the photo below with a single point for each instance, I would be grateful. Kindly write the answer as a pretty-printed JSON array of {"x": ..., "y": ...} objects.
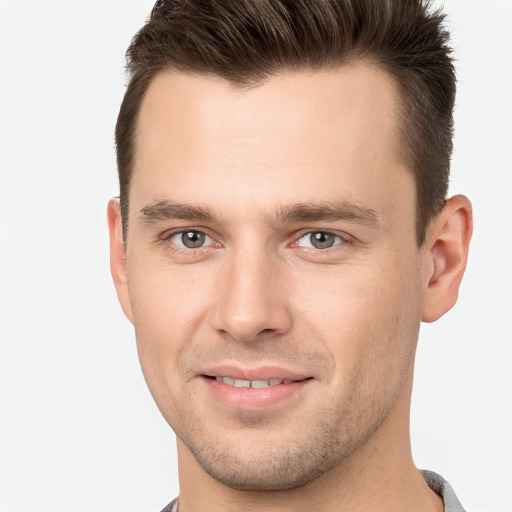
[
  {"x": 343, "y": 210},
  {"x": 169, "y": 210}
]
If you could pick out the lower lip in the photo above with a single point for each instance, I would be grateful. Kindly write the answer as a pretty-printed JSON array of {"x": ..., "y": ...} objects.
[{"x": 254, "y": 399}]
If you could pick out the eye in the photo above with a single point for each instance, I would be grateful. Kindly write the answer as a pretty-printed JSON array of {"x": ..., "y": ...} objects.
[
  {"x": 190, "y": 239},
  {"x": 319, "y": 240}
]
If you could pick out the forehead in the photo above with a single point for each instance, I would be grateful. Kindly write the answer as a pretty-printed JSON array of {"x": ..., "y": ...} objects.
[{"x": 322, "y": 134}]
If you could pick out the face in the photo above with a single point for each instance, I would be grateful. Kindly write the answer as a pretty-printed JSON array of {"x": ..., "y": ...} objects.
[{"x": 273, "y": 276}]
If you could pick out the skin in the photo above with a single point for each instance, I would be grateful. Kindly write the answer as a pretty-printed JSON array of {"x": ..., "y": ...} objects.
[{"x": 258, "y": 293}]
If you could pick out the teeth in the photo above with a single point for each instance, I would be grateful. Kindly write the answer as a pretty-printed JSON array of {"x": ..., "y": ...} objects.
[
  {"x": 241, "y": 383},
  {"x": 260, "y": 384}
]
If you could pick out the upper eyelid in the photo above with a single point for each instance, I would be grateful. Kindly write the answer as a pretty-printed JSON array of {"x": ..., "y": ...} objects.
[
  {"x": 311, "y": 232},
  {"x": 341, "y": 234},
  {"x": 169, "y": 233}
]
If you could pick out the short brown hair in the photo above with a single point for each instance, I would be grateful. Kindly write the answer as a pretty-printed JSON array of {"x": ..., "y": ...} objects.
[{"x": 247, "y": 41}]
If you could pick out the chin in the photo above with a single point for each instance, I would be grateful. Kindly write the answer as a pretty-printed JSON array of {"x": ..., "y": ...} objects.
[
  {"x": 266, "y": 464},
  {"x": 264, "y": 475}
]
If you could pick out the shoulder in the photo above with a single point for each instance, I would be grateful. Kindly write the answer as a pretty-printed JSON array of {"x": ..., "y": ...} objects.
[
  {"x": 440, "y": 486},
  {"x": 172, "y": 507}
]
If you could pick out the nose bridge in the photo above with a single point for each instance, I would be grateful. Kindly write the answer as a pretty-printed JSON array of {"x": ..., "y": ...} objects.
[{"x": 252, "y": 296}]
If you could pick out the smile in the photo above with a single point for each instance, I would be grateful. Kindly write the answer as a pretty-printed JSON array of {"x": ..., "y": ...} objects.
[
  {"x": 253, "y": 391},
  {"x": 241, "y": 383}
]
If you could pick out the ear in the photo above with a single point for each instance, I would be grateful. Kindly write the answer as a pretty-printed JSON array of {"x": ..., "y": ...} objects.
[
  {"x": 446, "y": 253},
  {"x": 118, "y": 256}
]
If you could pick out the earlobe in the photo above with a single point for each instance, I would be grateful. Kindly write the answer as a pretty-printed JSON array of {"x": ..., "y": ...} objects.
[
  {"x": 118, "y": 256},
  {"x": 446, "y": 253}
]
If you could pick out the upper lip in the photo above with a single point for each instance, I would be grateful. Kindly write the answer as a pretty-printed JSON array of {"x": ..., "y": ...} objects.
[{"x": 256, "y": 373}]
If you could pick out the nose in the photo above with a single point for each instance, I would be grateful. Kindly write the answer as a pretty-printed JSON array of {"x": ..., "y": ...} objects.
[{"x": 252, "y": 298}]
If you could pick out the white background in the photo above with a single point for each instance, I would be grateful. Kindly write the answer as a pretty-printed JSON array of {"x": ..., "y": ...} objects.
[{"x": 78, "y": 429}]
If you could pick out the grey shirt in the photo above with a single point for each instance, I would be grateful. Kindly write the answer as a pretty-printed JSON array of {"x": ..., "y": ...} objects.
[
  {"x": 436, "y": 482},
  {"x": 440, "y": 486}
]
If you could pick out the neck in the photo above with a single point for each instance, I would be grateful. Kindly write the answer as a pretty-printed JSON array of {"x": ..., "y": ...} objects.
[{"x": 380, "y": 476}]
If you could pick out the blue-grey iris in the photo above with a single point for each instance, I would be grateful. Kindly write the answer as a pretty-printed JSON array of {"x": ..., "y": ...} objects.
[
  {"x": 322, "y": 240},
  {"x": 192, "y": 239}
]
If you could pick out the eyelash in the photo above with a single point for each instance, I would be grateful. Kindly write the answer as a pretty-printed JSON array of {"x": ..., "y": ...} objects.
[
  {"x": 339, "y": 240},
  {"x": 167, "y": 238}
]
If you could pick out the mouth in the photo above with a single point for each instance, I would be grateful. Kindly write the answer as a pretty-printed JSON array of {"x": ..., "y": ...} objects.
[
  {"x": 255, "y": 390},
  {"x": 255, "y": 384}
]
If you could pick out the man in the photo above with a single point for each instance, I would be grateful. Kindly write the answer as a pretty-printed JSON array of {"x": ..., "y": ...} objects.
[{"x": 282, "y": 231}]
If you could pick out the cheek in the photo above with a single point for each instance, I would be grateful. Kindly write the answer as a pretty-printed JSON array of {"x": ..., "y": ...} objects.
[
  {"x": 168, "y": 311},
  {"x": 368, "y": 318},
  {"x": 167, "y": 302}
]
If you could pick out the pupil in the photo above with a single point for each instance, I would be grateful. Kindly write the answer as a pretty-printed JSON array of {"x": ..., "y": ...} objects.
[
  {"x": 192, "y": 239},
  {"x": 322, "y": 240}
]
